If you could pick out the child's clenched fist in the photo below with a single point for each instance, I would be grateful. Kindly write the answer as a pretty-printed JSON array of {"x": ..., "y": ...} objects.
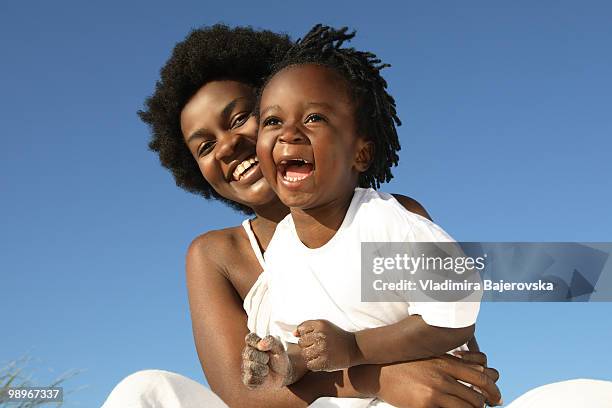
[
  {"x": 325, "y": 346},
  {"x": 265, "y": 363}
]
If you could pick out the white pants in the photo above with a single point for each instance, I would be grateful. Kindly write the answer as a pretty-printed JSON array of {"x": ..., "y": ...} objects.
[
  {"x": 163, "y": 389},
  {"x": 572, "y": 393}
]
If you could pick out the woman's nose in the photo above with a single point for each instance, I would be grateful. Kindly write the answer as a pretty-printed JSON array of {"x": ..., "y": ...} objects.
[{"x": 227, "y": 145}]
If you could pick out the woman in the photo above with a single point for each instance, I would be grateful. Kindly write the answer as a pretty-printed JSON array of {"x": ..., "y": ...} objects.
[{"x": 204, "y": 101}]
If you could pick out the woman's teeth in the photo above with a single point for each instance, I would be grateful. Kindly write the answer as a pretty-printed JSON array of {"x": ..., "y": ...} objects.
[{"x": 243, "y": 167}]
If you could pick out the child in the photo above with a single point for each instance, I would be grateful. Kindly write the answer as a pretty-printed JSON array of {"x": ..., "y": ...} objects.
[{"x": 327, "y": 125}]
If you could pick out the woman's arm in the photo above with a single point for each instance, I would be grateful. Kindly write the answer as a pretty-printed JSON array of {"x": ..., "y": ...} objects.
[
  {"x": 220, "y": 326},
  {"x": 435, "y": 383}
]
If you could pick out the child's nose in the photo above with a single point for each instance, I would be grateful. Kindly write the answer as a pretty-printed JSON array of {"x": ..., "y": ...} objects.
[{"x": 292, "y": 135}]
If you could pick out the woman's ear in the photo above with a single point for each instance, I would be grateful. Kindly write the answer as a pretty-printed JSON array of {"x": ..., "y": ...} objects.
[{"x": 365, "y": 155}]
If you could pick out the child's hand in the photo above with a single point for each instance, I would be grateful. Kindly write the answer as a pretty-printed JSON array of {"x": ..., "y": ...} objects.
[
  {"x": 325, "y": 346},
  {"x": 265, "y": 363}
]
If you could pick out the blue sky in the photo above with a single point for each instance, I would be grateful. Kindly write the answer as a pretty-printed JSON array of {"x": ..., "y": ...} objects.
[{"x": 506, "y": 137}]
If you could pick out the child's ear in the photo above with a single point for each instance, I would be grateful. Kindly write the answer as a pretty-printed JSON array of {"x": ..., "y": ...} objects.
[{"x": 365, "y": 155}]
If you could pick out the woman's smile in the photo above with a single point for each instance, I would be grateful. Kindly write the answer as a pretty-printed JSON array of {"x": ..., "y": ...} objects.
[{"x": 247, "y": 171}]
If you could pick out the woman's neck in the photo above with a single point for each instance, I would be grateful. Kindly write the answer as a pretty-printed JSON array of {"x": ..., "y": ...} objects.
[
  {"x": 266, "y": 219},
  {"x": 316, "y": 226}
]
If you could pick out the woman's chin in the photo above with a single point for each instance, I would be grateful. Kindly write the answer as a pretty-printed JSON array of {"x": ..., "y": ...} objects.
[{"x": 256, "y": 194}]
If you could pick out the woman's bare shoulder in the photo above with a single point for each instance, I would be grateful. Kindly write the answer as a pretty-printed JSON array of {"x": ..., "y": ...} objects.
[
  {"x": 217, "y": 239},
  {"x": 412, "y": 205},
  {"x": 215, "y": 247}
]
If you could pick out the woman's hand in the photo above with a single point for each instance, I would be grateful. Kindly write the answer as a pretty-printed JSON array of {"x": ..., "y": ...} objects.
[{"x": 435, "y": 383}]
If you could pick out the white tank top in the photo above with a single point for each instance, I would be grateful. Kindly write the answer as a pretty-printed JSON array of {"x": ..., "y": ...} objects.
[{"x": 256, "y": 302}]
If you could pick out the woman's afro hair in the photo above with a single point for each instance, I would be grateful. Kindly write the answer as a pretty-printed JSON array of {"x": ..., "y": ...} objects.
[{"x": 206, "y": 54}]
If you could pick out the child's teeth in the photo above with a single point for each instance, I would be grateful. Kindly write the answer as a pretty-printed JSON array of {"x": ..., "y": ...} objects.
[{"x": 294, "y": 178}]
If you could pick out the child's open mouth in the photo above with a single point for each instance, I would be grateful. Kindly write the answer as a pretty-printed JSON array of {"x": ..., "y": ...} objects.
[{"x": 295, "y": 170}]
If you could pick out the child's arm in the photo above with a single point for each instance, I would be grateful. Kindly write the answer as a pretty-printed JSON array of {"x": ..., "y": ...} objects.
[
  {"x": 326, "y": 347},
  {"x": 409, "y": 339}
]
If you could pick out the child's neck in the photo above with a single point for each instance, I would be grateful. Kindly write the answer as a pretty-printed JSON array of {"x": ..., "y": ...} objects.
[
  {"x": 266, "y": 219},
  {"x": 316, "y": 226}
]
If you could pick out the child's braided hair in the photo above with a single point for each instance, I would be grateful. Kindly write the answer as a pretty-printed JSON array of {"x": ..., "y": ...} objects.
[{"x": 375, "y": 112}]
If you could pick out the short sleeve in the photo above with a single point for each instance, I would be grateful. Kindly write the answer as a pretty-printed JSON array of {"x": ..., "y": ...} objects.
[
  {"x": 442, "y": 313},
  {"x": 453, "y": 315}
]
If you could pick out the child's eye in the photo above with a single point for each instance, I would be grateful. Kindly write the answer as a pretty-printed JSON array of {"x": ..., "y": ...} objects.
[
  {"x": 271, "y": 121},
  {"x": 314, "y": 117},
  {"x": 240, "y": 120},
  {"x": 205, "y": 148}
]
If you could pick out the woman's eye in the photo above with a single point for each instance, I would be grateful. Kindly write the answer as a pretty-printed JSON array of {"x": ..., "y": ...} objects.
[
  {"x": 271, "y": 122},
  {"x": 240, "y": 120},
  {"x": 205, "y": 148},
  {"x": 314, "y": 117}
]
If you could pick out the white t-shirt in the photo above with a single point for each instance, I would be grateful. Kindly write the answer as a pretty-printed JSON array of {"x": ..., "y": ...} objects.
[{"x": 325, "y": 282}]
